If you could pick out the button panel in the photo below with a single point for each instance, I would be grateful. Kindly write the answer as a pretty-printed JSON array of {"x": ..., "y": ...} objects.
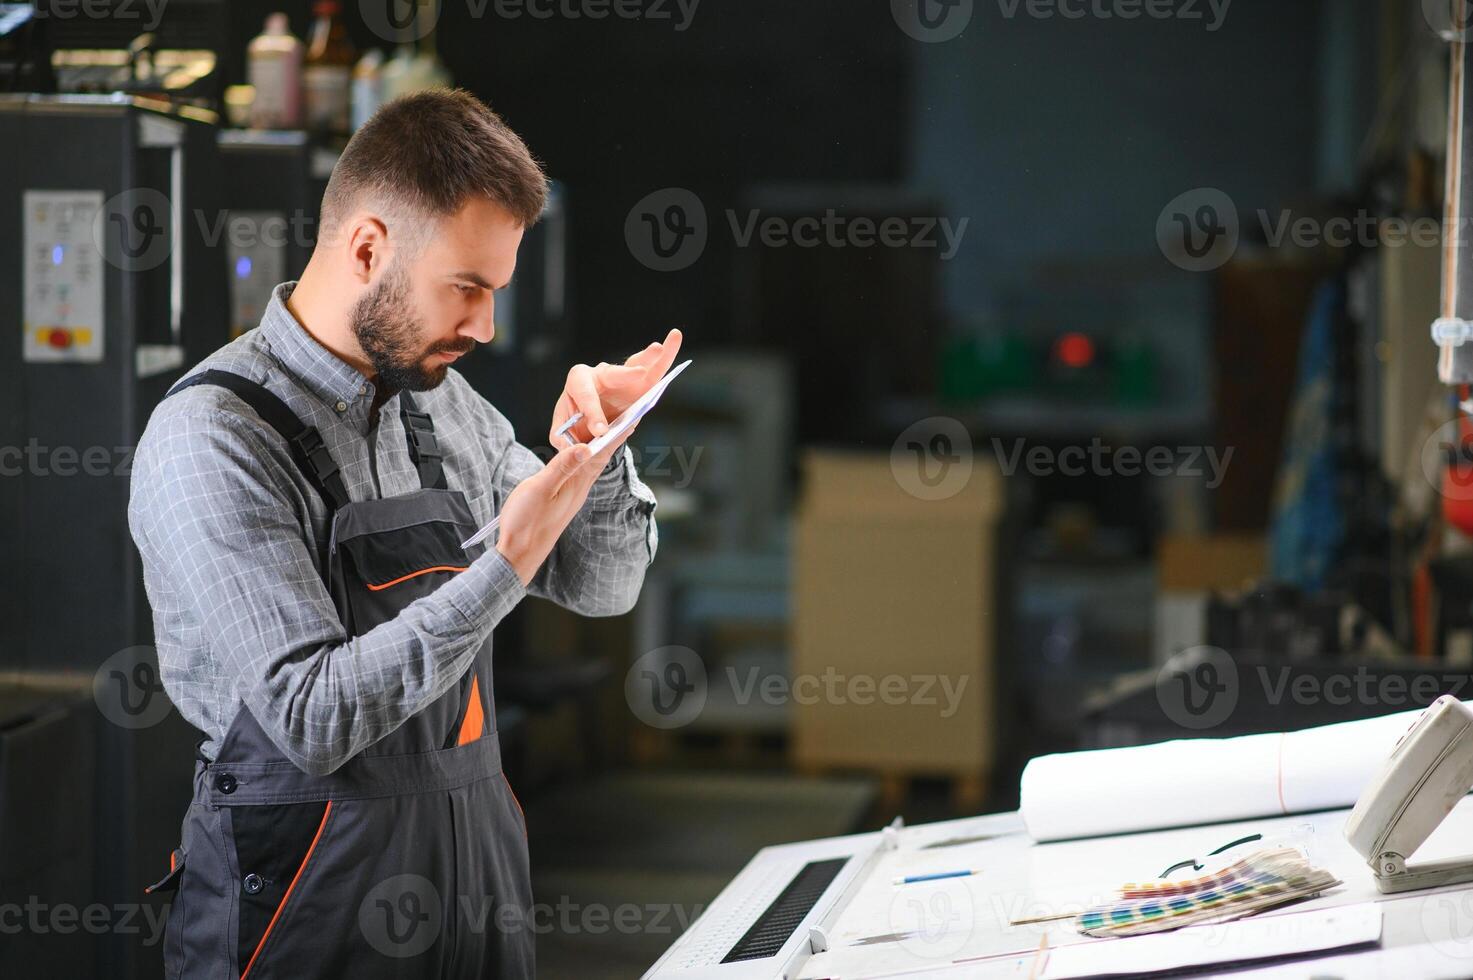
[
  {"x": 64, "y": 272},
  {"x": 255, "y": 248}
]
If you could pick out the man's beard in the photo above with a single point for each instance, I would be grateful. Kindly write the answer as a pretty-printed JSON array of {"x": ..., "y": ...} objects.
[{"x": 389, "y": 334}]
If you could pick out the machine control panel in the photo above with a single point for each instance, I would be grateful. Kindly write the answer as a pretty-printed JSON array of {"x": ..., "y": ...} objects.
[
  {"x": 256, "y": 246},
  {"x": 62, "y": 311}
]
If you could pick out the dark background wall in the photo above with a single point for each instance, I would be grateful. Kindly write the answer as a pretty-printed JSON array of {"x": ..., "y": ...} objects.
[
  {"x": 1064, "y": 139},
  {"x": 756, "y": 91},
  {"x": 1059, "y": 141}
]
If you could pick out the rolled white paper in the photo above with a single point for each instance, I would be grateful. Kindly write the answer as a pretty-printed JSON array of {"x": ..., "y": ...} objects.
[{"x": 1186, "y": 782}]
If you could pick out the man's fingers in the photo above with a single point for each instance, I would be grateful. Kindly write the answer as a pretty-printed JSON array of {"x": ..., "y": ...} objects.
[
  {"x": 618, "y": 375},
  {"x": 583, "y": 389},
  {"x": 656, "y": 359},
  {"x": 588, "y": 387},
  {"x": 669, "y": 350},
  {"x": 561, "y": 413},
  {"x": 645, "y": 357},
  {"x": 565, "y": 465},
  {"x": 619, "y": 385}
]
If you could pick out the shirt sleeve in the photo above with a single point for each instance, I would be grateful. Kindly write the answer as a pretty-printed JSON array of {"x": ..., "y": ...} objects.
[{"x": 214, "y": 509}]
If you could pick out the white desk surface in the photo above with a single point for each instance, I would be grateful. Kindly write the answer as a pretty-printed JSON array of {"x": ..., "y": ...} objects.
[{"x": 960, "y": 927}]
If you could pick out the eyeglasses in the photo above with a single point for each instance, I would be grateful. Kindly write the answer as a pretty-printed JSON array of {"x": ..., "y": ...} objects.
[{"x": 1197, "y": 865}]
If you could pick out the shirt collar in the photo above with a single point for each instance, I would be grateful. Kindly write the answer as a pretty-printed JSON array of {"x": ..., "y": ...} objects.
[{"x": 315, "y": 368}]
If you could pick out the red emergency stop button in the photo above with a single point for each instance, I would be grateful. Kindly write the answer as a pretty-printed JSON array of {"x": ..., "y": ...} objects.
[{"x": 60, "y": 339}]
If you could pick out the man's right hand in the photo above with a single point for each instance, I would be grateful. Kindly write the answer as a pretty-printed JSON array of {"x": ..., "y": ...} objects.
[{"x": 540, "y": 508}]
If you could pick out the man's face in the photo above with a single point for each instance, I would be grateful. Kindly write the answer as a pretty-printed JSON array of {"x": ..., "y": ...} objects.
[{"x": 428, "y": 310}]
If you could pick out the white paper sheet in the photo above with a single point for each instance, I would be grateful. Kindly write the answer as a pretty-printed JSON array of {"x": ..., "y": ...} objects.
[
  {"x": 1242, "y": 941},
  {"x": 1403, "y": 963},
  {"x": 617, "y": 428}
]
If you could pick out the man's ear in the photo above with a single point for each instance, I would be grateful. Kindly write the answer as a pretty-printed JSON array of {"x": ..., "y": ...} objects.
[{"x": 367, "y": 247}]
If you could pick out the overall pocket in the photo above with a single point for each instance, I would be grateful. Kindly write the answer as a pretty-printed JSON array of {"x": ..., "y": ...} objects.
[
  {"x": 378, "y": 574},
  {"x": 172, "y": 884},
  {"x": 273, "y": 846}
]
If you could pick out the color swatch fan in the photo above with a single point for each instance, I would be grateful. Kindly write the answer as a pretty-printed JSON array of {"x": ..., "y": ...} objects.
[{"x": 1264, "y": 879}]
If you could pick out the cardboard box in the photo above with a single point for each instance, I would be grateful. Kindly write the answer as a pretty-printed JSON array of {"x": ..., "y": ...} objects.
[
  {"x": 894, "y": 620},
  {"x": 1188, "y": 569},
  {"x": 1207, "y": 562}
]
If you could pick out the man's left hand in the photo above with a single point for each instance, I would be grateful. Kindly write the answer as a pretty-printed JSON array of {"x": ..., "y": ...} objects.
[{"x": 603, "y": 391}]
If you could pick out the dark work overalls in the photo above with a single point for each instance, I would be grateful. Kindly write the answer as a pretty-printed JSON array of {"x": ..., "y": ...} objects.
[{"x": 411, "y": 859}]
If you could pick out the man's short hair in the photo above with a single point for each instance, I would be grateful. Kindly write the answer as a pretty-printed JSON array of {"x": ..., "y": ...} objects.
[{"x": 423, "y": 156}]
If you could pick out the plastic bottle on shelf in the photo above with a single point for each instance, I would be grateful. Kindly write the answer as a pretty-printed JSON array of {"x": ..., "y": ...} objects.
[
  {"x": 368, "y": 86},
  {"x": 398, "y": 76},
  {"x": 414, "y": 70},
  {"x": 274, "y": 69},
  {"x": 430, "y": 71},
  {"x": 328, "y": 71}
]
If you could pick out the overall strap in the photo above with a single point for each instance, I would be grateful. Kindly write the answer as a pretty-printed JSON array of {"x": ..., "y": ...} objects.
[
  {"x": 424, "y": 448},
  {"x": 307, "y": 447}
]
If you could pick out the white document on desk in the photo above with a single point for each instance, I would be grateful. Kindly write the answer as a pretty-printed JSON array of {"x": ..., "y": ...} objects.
[{"x": 1241, "y": 941}]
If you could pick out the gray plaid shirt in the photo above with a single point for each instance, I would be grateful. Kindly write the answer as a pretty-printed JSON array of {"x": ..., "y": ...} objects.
[{"x": 227, "y": 524}]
